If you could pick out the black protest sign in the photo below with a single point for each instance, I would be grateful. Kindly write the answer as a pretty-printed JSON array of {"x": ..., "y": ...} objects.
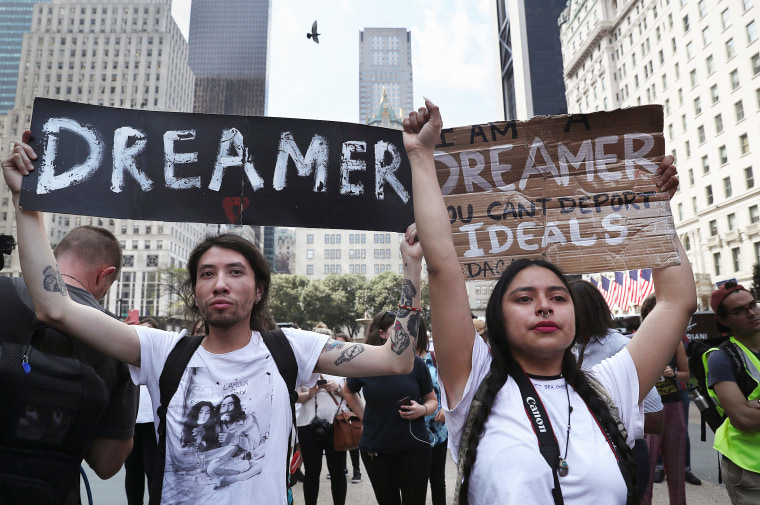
[
  {"x": 169, "y": 166},
  {"x": 578, "y": 190}
]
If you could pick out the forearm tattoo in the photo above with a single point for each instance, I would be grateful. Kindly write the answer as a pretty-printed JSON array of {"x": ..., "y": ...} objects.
[
  {"x": 408, "y": 292},
  {"x": 349, "y": 354},
  {"x": 400, "y": 339},
  {"x": 53, "y": 281},
  {"x": 332, "y": 344}
]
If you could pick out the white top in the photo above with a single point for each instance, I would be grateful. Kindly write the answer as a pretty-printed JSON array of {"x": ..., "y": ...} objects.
[
  {"x": 320, "y": 404},
  {"x": 509, "y": 468},
  {"x": 145, "y": 408},
  {"x": 229, "y": 421}
]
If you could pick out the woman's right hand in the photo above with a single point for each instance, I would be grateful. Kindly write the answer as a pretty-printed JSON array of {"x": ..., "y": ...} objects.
[{"x": 422, "y": 129}]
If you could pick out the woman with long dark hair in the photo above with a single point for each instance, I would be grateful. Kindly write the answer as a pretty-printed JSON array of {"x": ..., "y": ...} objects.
[
  {"x": 395, "y": 446},
  {"x": 503, "y": 405}
]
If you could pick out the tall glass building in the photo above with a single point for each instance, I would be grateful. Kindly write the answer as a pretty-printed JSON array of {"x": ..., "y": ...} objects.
[
  {"x": 15, "y": 20},
  {"x": 530, "y": 52},
  {"x": 229, "y": 54},
  {"x": 385, "y": 68}
]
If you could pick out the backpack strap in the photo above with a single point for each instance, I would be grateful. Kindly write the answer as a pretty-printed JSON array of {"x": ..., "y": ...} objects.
[
  {"x": 175, "y": 366},
  {"x": 285, "y": 359},
  {"x": 744, "y": 380}
]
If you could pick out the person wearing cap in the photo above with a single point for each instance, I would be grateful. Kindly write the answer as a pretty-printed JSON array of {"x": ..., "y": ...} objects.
[{"x": 738, "y": 439}]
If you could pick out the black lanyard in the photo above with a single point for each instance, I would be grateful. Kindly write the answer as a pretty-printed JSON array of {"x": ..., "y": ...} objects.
[{"x": 542, "y": 427}]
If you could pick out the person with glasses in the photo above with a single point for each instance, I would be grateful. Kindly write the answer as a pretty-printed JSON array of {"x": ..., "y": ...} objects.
[{"x": 737, "y": 391}]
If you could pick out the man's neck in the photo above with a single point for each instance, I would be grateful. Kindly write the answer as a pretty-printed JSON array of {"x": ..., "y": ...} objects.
[{"x": 224, "y": 340}]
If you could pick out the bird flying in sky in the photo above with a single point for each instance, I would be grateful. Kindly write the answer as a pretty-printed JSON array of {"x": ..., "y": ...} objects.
[{"x": 313, "y": 35}]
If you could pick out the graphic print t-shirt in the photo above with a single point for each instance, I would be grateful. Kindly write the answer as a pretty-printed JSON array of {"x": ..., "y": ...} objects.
[{"x": 229, "y": 421}]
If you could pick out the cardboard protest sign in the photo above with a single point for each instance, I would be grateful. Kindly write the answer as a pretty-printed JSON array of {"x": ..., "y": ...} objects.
[
  {"x": 576, "y": 190},
  {"x": 169, "y": 166}
]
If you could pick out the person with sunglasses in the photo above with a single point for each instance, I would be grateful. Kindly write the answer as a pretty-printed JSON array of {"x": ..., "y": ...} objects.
[{"x": 738, "y": 394}]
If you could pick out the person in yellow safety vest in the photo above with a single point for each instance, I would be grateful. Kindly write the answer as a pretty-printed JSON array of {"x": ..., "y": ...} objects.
[{"x": 738, "y": 438}]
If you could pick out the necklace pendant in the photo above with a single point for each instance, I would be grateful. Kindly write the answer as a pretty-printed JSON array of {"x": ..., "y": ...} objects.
[{"x": 562, "y": 469}]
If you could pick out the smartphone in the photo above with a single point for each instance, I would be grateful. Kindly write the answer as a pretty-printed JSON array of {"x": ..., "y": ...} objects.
[
  {"x": 321, "y": 382},
  {"x": 404, "y": 401}
]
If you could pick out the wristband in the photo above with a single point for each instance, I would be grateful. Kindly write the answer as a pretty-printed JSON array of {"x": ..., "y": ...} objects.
[
  {"x": 424, "y": 405},
  {"x": 416, "y": 309}
]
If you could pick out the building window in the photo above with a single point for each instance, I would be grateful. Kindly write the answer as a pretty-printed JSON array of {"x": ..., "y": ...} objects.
[
  {"x": 739, "y": 110},
  {"x": 152, "y": 260},
  {"x": 730, "y": 49},
  {"x": 310, "y": 238},
  {"x": 725, "y": 19},
  {"x": 713, "y": 228},
  {"x": 716, "y": 263},
  {"x": 755, "y": 63},
  {"x": 705, "y": 164},
  {"x": 749, "y": 178},
  {"x": 751, "y": 32},
  {"x": 697, "y": 106},
  {"x": 709, "y": 194},
  {"x": 693, "y": 77},
  {"x": 128, "y": 260},
  {"x": 714, "y": 93},
  {"x": 701, "y": 134},
  {"x": 754, "y": 214},
  {"x": 680, "y": 212},
  {"x": 727, "y": 187},
  {"x": 309, "y": 269},
  {"x": 731, "y": 220},
  {"x": 710, "y": 63},
  {"x": 723, "y": 155},
  {"x": 743, "y": 144},
  {"x": 718, "y": 123},
  {"x": 310, "y": 254},
  {"x": 691, "y": 177},
  {"x": 694, "y": 205},
  {"x": 735, "y": 257},
  {"x": 734, "y": 76}
]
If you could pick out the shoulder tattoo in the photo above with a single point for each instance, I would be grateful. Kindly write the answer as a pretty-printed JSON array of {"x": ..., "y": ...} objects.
[{"x": 53, "y": 281}]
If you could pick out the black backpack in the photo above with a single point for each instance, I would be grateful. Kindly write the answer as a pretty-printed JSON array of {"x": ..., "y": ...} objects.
[
  {"x": 175, "y": 366},
  {"x": 712, "y": 415},
  {"x": 51, "y": 406}
]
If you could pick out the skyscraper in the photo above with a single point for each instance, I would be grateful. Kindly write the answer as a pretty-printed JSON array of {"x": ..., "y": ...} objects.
[
  {"x": 385, "y": 66},
  {"x": 229, "y": 54},
  {"x": 530, "y": 56},
  {"x": 15, "y": 21}
]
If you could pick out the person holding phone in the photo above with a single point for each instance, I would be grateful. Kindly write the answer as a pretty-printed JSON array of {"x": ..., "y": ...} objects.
[{"x": 395, "y": 444}]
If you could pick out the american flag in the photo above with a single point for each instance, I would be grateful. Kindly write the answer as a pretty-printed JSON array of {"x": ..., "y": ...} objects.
[
  {"x": 634, "y": 275},
  {"x": 622, "y": 293},
  {"x": 646, "y": 287},
  {"x": 607, "y": 291}
]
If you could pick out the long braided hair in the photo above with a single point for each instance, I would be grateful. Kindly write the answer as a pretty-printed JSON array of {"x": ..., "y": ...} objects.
[{"x": 503, "y": 363}]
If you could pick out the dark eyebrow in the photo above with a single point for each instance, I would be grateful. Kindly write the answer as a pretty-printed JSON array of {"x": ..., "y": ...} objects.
[
  {"x": 228, "y": 265},
  {"x": 530, "y": 289}
]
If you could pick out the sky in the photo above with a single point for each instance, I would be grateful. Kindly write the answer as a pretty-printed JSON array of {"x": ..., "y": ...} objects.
[{"x": 453, "y": 56}]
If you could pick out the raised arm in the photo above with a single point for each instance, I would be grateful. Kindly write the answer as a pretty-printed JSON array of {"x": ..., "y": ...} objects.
[
  {"x": 43, "y": 278},
  {"x": 661, "y": 332},
  {"x": 396, "y": 356},
  {"x": 449, "y": 304}
]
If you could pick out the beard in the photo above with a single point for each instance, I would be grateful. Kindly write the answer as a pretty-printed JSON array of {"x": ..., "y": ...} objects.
[{"x": 229, "y": 317}]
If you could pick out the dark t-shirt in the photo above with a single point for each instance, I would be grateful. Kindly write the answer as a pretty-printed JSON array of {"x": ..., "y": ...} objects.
[
  {"x": 384, "y": 429},
  {"x": 719, "y": 368},
  {"x": 118, "y": 419}
]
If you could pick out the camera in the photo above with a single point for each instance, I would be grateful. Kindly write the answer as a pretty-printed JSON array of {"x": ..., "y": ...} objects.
[
  {"x": 7, "y": 244},
  {"x": 320, "y": 427}
]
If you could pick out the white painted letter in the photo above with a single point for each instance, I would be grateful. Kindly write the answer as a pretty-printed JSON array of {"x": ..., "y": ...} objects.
[
  {"x": 638, "y": 157},
  {"x": 607, "y": 224},
  {"x": 523, "y": 236},
  {"x": 474, "y": 251},
  {"x": 171, "y": 158},
  {"x": 449, "y": 161},
  {"x": 602, "y": 159},
  {"x": 232, "y": 142},
  {"x": 585, "y": 155},
  {"x": 348, "y": 164},
  {"x": 315, "y": 160},
  {"x": 48, "y": 181},
  {"x": 575, "y": 235},
  {"x": 497, "y": 168},
  {"x": 387, "y": 173},
  {"x": 552, "y": 235},
  {"x": 495, "y": 247},
  {"x": 471, "y": 171},
  {"x": 124, "y": 158},
  {"x": 530, "y": 164}
]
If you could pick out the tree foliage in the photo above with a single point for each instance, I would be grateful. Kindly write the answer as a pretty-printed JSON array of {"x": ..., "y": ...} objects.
[
  {"x": 285, "y": 299},
  {"x": 172, "y": 284}
]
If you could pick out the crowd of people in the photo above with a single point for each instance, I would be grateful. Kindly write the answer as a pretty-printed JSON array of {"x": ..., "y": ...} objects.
[{"x": 544, "y": 403}]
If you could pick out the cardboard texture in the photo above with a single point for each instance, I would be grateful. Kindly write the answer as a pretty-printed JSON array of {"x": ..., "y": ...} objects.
[{"x": 577, "y": 190}]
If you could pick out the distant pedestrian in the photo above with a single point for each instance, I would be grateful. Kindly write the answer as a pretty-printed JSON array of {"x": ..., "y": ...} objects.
[{"x": 356, "y": 476}]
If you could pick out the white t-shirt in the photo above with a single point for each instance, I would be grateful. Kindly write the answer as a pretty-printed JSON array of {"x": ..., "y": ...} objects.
[
  {"x": 509, "y": 468},
  {"x": 229, "y": 421}
]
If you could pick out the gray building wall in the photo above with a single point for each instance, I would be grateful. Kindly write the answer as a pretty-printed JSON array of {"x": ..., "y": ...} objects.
[{"x": 385, "y": 62}]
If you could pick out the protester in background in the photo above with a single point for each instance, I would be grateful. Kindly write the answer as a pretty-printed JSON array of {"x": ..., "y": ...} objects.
[
  {"x": 436, "y": 424},
  {"x": 737, "y": 391},
  {"x": 395, "y": 445},
  {"x": 670, "y": 444},
  {"x": 480, "y": 327},
  {"x": 354, "y": 453},
  {"x": 531, "y": 328},
  {"x": 89, "y": 259},
  {"x": 596, "y": 340},
  {"x": 320, "y": 403},
  {"x": 139, "y": 464}
]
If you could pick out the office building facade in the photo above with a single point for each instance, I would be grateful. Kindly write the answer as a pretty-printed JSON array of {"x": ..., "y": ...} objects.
[
  {"x": 385, "y": 68},
  {"x": 700, "y": 60},
  {"x": 229, "y": 54}
]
